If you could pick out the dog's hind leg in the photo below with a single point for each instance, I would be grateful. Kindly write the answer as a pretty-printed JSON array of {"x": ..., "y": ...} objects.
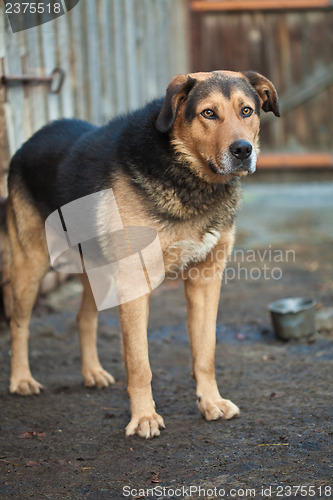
[
  {"x": 5, "y": 261},
  {"x": 92, "y": 370},
  {"x": 29, "y": 263}
]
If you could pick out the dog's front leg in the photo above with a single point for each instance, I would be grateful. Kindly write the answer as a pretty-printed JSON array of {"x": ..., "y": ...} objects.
[
  {"x": 202, "y": 291},
  {"x": 144, "y": 420}
]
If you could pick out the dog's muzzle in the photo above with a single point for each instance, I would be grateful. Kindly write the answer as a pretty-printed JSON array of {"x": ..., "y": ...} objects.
[
  {"x": 240, "y": 158},
  {"x": 241, "y": 149},
  {"x": 244, "y": 158}
]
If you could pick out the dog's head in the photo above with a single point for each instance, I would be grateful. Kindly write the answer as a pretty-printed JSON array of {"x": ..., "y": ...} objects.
[{"x": 213, "y": 120}]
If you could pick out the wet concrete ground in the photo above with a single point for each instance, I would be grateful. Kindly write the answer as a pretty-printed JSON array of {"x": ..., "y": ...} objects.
[{"x": 68, "y": 443}]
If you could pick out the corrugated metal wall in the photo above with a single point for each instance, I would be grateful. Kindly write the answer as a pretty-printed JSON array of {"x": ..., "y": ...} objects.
[{"x": 116, "y": 54}]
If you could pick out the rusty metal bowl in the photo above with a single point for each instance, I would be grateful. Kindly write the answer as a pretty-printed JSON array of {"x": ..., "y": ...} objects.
[{"x": 293, "y": 318}]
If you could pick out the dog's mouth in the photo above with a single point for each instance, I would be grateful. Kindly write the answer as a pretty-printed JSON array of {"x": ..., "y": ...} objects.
[{"x": 228, "y": 165}]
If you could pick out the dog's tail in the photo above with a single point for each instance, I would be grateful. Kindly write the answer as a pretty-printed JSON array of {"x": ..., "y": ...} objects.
[{"x": 5, "y": 288}]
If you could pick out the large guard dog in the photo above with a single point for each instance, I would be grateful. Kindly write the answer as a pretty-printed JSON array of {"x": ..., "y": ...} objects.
[{"x": 175, "y": 165}]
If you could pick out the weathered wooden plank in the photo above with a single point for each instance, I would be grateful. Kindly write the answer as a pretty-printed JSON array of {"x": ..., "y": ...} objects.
[
  {"x": 310, "y": 87},
  {"x": 299, "y": 161},
  {"x": 132, "y": 70},
  {"x": 94, "y": 62},
  {"x": 160, "y": 60},
  {"x": 4, "y": 150},
  {"x": 181, "y": 15},
  {"x": 151, "y": 34},
  {"x": 63, "y": 58},
  {"x": 85, "y": 61},
  {"x": 35, "y": 95},
  {"x": 141, "y": 59},
  {"x": 14, "y": 107},
  {"x": 4, "y": 146},
  {"x": 107, "y": 56},
  {"x": 48, "y": 48},
  {"x": 119, "y": 55},
  {"x": 245, "y": 5},
  {"x": 163, "y": 53},
  {"x": 73, "y": 68}
]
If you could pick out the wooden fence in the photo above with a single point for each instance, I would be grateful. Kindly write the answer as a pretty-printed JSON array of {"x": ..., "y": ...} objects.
[
  {"x": 291, "y": 42},
  {"x": 116, "y": 55}
]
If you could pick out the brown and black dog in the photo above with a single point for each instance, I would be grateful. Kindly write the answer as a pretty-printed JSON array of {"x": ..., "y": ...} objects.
[{"x": 175, "y": 165}]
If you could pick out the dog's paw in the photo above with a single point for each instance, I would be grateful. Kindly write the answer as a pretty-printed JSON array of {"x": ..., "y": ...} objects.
[
  {"x": 97, "y": 377},
  {"x": 146, "y": 427},
  {"x": 216, "y": 409},
  {"x": 25, "y": 386}
]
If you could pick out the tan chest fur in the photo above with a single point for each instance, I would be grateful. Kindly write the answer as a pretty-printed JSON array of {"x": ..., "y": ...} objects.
[
  {"x": 190, "y": 249},
  {"x": 181, "y": 245}
]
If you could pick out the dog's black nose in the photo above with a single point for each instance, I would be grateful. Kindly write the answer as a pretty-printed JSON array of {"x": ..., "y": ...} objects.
[{"x": 241, "y": 149}]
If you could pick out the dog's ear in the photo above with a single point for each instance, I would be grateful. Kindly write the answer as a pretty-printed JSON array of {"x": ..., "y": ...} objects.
[
  {"x": 177, "y": 91},
  {"x": 266, "y": 91}
]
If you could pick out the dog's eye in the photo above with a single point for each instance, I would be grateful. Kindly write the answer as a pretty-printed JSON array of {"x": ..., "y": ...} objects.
[
  {"x": 208, "y": 113},
  {"x": 247, "y": 111}
]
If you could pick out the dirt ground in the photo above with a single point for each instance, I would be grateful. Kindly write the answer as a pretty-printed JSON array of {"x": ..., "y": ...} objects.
[{"x": 69, "y": 443}]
